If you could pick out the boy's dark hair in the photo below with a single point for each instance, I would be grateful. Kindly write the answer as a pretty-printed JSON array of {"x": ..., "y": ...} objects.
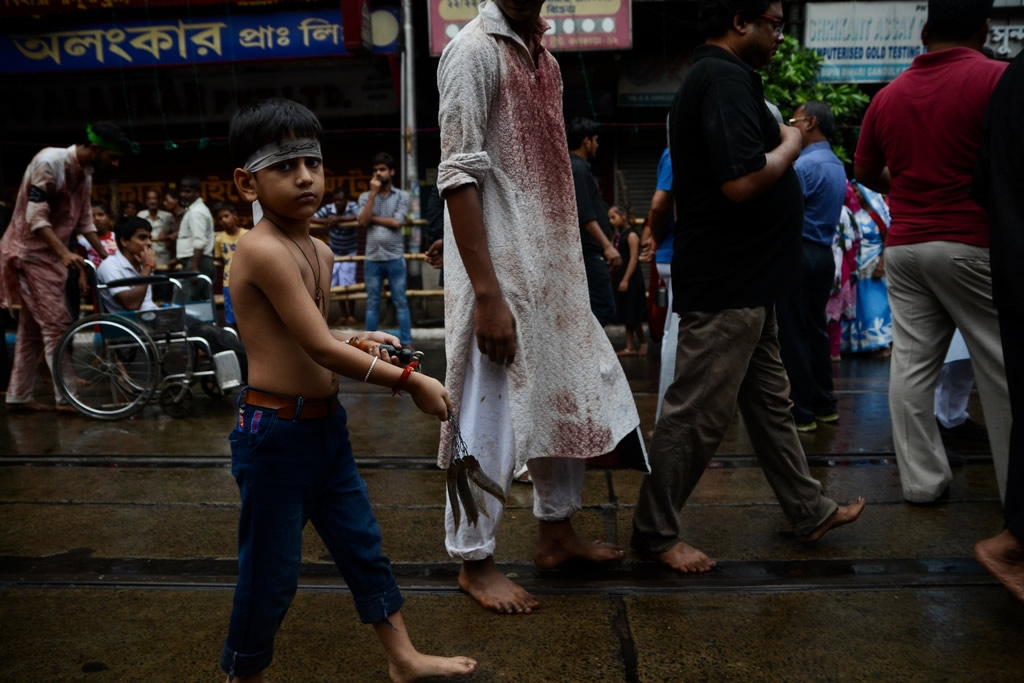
[
  {"x": 101, "y": 204},
  {"x": 383, "y": 158},
  {"x": 192, "y": 182},
  {"x": 128, "y": 226},
  {"x": 267, "y": 121},
  {"x": 223, "y": 206},
  {"x": 714, "y": 17},
  {"x": 957, "y": 20},
  {"x": 111, "y": 134},
  {"x": 822, "y": 113},
  {"x": 340, "y": 192},
  {"x": 578, "y": 129},
  {"x": 172, "y": 192}
]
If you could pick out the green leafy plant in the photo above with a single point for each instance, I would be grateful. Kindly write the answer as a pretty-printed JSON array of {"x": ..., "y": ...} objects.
[{"x": 792, "y": 79}]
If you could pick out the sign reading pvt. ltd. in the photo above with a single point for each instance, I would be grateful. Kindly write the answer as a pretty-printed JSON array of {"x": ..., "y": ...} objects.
[
  {"x": 271, "y": 35},
  {"x": 573, "y": 24},
  {"x": 865, "y": 42}
]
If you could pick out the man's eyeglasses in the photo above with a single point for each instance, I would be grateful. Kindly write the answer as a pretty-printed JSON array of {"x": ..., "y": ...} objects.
[{"x": 778, "y": 24}]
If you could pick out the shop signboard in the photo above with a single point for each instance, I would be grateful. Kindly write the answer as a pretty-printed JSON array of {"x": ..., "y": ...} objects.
[
  {"x": 114, "y": 45},
  {"x": 574, "y": 24},
  {"x": 864, "y": 42},
  {"x": 44, "y": 8}
]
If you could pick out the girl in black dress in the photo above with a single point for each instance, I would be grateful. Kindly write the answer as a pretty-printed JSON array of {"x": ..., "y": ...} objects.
[{"x": 630, "y": 300}]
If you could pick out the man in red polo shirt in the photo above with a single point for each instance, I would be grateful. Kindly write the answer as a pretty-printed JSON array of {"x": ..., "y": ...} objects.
[{"x": 919, "y": 143}]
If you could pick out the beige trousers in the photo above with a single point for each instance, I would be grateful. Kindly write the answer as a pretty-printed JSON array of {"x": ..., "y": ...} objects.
[
  {"x": 934, "y": 288},
  {"x": 724, "y": 358}
]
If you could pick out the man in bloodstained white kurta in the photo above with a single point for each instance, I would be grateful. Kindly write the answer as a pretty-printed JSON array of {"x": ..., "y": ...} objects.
[{"x": 532, "y": 374}]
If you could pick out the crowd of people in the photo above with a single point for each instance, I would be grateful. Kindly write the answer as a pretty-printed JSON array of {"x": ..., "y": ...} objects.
[{"x": 776, "y": 256}]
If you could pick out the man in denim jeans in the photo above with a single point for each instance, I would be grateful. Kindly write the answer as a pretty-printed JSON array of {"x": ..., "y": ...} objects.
[{"x": 382, "y": 212}]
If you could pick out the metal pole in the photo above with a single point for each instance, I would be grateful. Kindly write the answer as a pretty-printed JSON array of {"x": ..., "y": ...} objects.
[
  {"x": 411, "y": 177},
  {"x": 402, "y": 171}
]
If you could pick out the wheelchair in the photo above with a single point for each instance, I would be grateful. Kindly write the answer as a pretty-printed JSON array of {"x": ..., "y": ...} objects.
[{"x": 110, "y": 365}]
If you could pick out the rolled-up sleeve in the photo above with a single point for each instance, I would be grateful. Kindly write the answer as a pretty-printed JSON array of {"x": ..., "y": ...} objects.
[
  {"x": 402, "y": 209},
  {"x": 202, "y": 232},
  {"x": 467, "y": 78},
  {"x": 42, "y": 185},
  {"x": 84, "y": 200}
]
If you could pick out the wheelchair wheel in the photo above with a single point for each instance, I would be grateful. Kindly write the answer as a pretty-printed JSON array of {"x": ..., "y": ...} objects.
[
  {"x": 107, "y": 367},
  {"x": 177, "y": 399}
]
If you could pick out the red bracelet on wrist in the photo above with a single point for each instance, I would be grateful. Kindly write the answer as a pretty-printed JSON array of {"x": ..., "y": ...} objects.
[{"x": 400, "y": 384}]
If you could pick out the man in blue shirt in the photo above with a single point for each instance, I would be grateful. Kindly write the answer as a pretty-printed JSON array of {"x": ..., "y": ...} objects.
[
  {"x": 803, "y": 334},
  {"x": 659, "y": 238}
]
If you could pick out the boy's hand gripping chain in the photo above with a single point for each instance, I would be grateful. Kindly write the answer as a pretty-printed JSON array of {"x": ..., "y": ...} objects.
[{"x": 464, "y": 471}]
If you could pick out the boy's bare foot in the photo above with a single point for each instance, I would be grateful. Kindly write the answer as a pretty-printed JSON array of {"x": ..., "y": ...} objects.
[
  {"x": 422, "y": 666},
  {"x": 686, "y": 559},
  {"x": 258, "y": 678},
  {"x": 558, "y": 543},
  {"x": 625, "y": 352},
  {"x": 493, "y": 590},
  {"x": 843, "y": 515},
  {"x": 1003, "y": 557}
]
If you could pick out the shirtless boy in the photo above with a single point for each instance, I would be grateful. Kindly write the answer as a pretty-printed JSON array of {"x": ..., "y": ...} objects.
[{"x": 290, "y": 450}]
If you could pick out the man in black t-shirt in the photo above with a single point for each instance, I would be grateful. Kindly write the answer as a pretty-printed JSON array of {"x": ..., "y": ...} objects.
[
  {"x": 595, "y": 231},
  {"x": 738, "y": 230}
]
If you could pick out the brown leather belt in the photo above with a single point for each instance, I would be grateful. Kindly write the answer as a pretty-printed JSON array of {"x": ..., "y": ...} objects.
[{"x": 288, "y": 407}]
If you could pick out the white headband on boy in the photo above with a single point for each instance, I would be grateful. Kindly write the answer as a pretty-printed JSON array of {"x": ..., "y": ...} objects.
[{"x": 276, "y": 152}]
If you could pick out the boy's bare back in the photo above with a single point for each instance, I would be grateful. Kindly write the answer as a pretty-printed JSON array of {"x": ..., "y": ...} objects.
[{"x": 268, "y": 270}]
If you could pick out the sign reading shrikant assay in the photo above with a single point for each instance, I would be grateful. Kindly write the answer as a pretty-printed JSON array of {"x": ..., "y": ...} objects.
[{"x": 865, "y": 42}]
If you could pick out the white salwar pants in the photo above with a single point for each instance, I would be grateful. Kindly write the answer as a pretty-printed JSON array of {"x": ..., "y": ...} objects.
[
  {"x": 486, "y": 425},
  {"x": 668, "y": 341}
]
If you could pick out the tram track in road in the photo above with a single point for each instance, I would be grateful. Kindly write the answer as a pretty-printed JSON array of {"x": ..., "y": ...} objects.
[
  {"x": 882, "y": 458},
  {"x": 78, "y": 569}
]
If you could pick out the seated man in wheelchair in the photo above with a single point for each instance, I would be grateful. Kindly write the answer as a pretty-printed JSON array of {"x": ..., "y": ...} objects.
[{"x": 136, "y": 258}]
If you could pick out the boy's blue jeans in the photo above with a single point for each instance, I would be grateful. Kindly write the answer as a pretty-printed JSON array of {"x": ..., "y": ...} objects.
[
  {"x": 374, "y": 273},
  {"x": 288, "y": 472}
]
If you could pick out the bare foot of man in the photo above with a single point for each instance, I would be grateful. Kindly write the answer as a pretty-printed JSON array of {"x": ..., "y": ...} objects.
[
  {"x": 1003, "y": 557},
  {"x": 686, "y": 559},
  {"x": 843, "y": 515},
  {"x": 423, "y": 666},
  {"x": 493, "y": 590},
  {"x": 557, "y": 543}
]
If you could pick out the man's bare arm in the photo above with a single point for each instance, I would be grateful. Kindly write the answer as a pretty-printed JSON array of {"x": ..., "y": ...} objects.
[
  {"x": 97, "y": 246},
  {"x": 662, "y": 205},
  {"x": 611, "y": 254},
  {"x": 387, "y": 222},
  {"x": 132, "y": 298},
  {"x": 879, "y": 181},
  {"x": 749, "y": 186},
  {"x": 493, "y": 321},
  {"x": 365, "y": 217},
  {"x": 68, "y": 258}
]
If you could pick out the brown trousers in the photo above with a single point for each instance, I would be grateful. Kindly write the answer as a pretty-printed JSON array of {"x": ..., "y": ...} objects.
[{"x": 724, "y": 358}]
